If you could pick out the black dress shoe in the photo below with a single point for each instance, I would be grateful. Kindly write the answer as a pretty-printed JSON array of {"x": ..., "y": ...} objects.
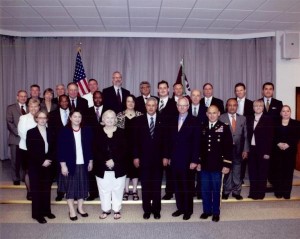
[
  {"x": 17, "y": 182},
  {"x": 50, "y": 215},
  {"x": 29, "y": 196},
  {"x": 225, "y": 196},
  {"x": 286, "y": 197},
  {"x": 215, "y": 218},
  {"x": 199, "y": 196},
  {"x": 237, "y": 197},
  {"x": 186, "y": 216},
  {"x": 177, "y": 213},
  {"x": 146, "y": 215},
  {"x": 41, "y": 220},
  {"x": 156, "y": 215},
  {"x": 167, "y": 196},
  {"x": 90, "y": 198},
  {"x": 205, "y": 215},
  {"x": 59, "y": 198},
  {"x": 73, "y": 218},
  {"x": 82, "y": 214}
]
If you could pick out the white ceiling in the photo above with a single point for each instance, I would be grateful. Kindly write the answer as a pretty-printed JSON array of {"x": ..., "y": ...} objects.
[{"x": 147, "y": 17}]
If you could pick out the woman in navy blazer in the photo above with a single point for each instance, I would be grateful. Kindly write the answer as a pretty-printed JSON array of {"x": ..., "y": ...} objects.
[
  {"x": 39, "y": 142},
  {"x": 74, "y": 152},
  {"x": 287, "y": 135}
]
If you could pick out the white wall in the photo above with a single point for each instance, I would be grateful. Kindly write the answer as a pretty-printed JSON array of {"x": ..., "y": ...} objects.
[{"x": 287, "y": 77}]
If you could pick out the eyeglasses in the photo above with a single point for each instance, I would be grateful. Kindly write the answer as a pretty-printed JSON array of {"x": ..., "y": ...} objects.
[
  {"x": 42, "y": 117},
  {"x": 182, "y": 105}
]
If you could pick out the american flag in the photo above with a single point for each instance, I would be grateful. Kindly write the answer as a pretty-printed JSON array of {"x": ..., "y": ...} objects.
[
  {"x": 181, "y": 78},
  {"x": 80, "y": 77}
]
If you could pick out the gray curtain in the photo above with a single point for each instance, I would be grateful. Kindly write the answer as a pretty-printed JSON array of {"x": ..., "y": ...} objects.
[{"x": 49, "y": 61}]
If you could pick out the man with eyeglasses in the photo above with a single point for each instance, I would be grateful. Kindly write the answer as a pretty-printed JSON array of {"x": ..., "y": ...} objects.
[
  {"x": 184, "y": 141},
  {"x": 140, "y": 103}
]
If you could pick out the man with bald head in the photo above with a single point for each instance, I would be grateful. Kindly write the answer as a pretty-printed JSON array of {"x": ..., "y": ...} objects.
[{"x": 215, "y": 160}]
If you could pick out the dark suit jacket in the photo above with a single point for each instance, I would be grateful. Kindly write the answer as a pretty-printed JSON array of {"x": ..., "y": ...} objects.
[
  {"x": 201, "y": 117},
  {"x": 184, "y": 144},
  {"x": 169, "y": 111},
  {"x": 215, "y": 147},
  {"x": 274, "y": 109},
  {"x": 149, "y": 151},
  {"x": 105, "y": 148},
  {"x": 140, "y": 104},
  {"x": 110, "y": 100},
  {"x": 248, "y": 108},
  {"x": 13, "y": 113},
  {"x": 66, "y": 148},
  {"x": 215, "y": 101},
  {"x": 82, "y": 105},
  {"x": 91, "y": 117},
  {"x": 264, "y": 132},
  {"x": 55, "y": 122},
  {"x": 36, "y": 147}
]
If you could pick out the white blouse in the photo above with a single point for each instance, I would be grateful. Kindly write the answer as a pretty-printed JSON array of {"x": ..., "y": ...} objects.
[
  {"x": 78, "y": 144},
  {"x": 26, "y": 123}
]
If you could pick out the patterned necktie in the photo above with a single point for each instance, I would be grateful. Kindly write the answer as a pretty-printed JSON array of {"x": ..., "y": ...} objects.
[
  {"x": 65, "y": 118},
  {"x": 97, "y": 113},
  {"x": 268, "y": 105},
  {"x": 211, "y": 126},
  {"x": 22, "y": 110},
  {"x": 195, "y": 112},
  {"x": 233, "y": 123},
  {"x": 161, "y": 105},
  {"x": 73, "y": 105},
  {"x": 151, "y": 127},
  {"x": 207, "y": 103},
  {"x": 119, "y": 96}
]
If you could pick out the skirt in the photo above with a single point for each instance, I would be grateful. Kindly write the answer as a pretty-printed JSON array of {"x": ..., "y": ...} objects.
[{"x": 75, "y": 186}]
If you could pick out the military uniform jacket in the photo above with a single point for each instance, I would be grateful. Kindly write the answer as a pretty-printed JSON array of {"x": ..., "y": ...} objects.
[{"x": 215, "y": 147}]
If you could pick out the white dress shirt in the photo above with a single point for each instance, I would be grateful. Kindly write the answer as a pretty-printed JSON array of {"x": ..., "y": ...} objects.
[
  {"x": 149, "y": 119},
  {"x": 89, "y": 98},
  {"x": 78, "y": 144},
  {"x": 64, "y": 115},
  {"x": 241, "y": 104}
]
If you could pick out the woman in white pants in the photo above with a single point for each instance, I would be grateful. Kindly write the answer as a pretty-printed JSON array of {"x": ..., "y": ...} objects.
[{"x": 109, "y": 164}]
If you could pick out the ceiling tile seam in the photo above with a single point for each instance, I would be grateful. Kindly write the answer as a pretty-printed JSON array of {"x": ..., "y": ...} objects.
[
  {"x": 250, "y": 14},
  {"x": 158, "y": 17},
  {"x": 70, "y": 15},
  {"x": 99, "y": 15},
  {"x": 187, "y": 17},
  {"x": 33, "y": 8},
  {"x": 12, "y": 17},
  {"x": 218, "y": 15}
]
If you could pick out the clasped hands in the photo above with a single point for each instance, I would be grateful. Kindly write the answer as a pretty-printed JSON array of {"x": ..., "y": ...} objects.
[
  {"x": 110, "y": 163},
  {"x": 283, "y": 146},
  {"x": 47, "y": 163}
]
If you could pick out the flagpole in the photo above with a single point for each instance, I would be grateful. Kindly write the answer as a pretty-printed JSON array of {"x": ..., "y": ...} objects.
[{"x": 183, "y": 76}]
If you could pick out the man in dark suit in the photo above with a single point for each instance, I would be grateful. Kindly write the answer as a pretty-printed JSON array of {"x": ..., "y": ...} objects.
[
  {"x": 140, "y": 103},
  {"x": 183, "y": 138},
  {"x": 215, "y": 160},
  {"x": 238, "y": 127},
  {"x": 93, "y": 120},
  {"x": 57, "y": 120},
  {"x": 199, "y": 111},
  {"x": 13, "y": 114},
  {"x": 260, "y": 136},
  {"x": 150, "y": 149},
  {"x": 245, "y": 108},
  {"x": 76, "y": 102},
  {"x": 272, "y": 108},
  {"x": 115, "y": 96},
  {"x": 35, "y": 91},
  {"x": 60, "y": 90},
  {"x": 167, "y": 110},
  {"x": 209, "y": 100}
]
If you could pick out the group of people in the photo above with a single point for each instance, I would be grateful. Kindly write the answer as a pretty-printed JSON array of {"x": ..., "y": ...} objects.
[{"x": 94, "y": 145}]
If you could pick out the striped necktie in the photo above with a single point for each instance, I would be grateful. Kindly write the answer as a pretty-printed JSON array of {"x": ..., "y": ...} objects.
[
  {"x": 161, "y": 105},
  {"x": 151, "y": 127}
]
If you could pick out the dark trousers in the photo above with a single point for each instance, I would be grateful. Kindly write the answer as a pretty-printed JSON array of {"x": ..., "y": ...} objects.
[
  {"x": 184, "y": 184},
  {"x": 93, "y": 188},
  {"x": 258, "y": 168},
  {"x": 40, "y": 184},
  {"x": 151, "y": 189},
  {"x": 244, "y": 168},
  {"x": 211, "y": 190},
  {"x": 169, "y": 181},
  {"x": 198, "y": 183},
  {"x": 284, "y": 163}
]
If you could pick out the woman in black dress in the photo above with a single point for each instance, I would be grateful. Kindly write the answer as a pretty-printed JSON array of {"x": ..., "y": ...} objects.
[
  {"x": 39, "y": 142},
  {"x": 125, "y": 120},
  {"x": 74, "y": 152},
  {"x": 287, "y": 135}
]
